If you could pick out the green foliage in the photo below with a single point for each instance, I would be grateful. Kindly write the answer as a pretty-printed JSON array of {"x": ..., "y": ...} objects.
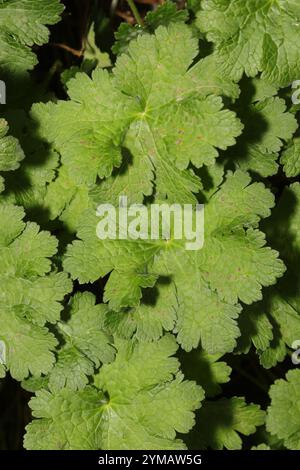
[
  {"x": 290, "y": 158},
  {"x": 30, "y": 294},
  {"x": 138, "y": 400},
  {"x": 254, "y": 36},
  {"x": 152, "y": 346},
  {"x": 10, "y": 151},
  {"x": 84, "y": 344},
  {"x": 22, "y": 24},
  {"x": 231, "y": 217},
  {"x": 228, "y": 418},
  {"x": 138, "y": 139},
  {"x": 163, "y": 15},
  {"x": 283, "y": 414}
]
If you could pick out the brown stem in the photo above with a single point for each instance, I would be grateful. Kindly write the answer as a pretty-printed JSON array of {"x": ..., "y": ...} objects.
[{"x": 69, "y": 49}]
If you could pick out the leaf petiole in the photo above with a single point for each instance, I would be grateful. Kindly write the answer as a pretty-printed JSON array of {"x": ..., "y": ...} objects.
[{"x": 135, "y": 12}]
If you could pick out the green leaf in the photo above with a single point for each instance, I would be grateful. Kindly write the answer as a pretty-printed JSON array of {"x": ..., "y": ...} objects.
[
  {"x": 141, "y": 108},
  {"x": 207, "y": 370},
  {"x": 254, "y": 36},
  {"x": 283, "y": 417},
  {"x": 147, "y": 321},
  {"x": 256, "y": 329},
  {"x": 210, "y": 80},
  {"x": 221, "y": 422},
  {"x": 282, "y": 303},
  {"x": 92, "y": 53},
  {"x": 279, "y": 124},
  {"x": 27, "y": 185},
  {"x": 66, "y": 200},
  {"x": 163, "y": 15},
  {"x": 85, "y": 345},
  {"x": 268, "y": 125},
  {"x": 10, "y": 151},
  {"x": 30, "y": 294},
  {"x": 290, "y": 158},
  {"x": 231, "y": 218},
  {"x": 261, "y": 447},
  {"x": 122, "y": 291},
  {"x": 33, "y": 384},
  {"x": 138, "y": 402},
  {"x": 22, "y": 24},
  {"x": 273, "y": 354}
]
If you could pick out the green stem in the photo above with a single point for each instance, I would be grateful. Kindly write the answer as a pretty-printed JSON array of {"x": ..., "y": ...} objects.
[{"x": 135, "y": 12}]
